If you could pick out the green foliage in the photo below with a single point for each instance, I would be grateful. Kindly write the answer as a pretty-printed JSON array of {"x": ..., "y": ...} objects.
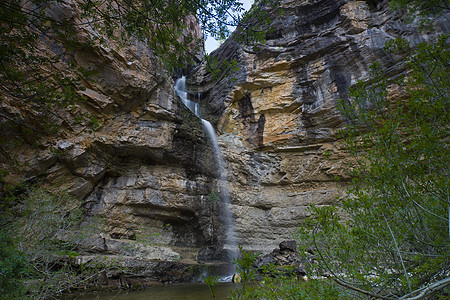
[
  {"x": 220, "y": 68},
  {"x": 254, "y": 25},
  {"x": 69, "y": 253},
  {"x": 289, "y": 287},
  {"x": 252, "y": 29},
  {"x": 280, "y": 283},
  {"x": 46, "y": 221},
  {"x": 39, "y": 237},
  {"x": 212, "y": 282},
  {"x": 213, "y": 197},
  {"x": 244, "y": 265},
  {"x": 13, "y": 266},
  {"x": 391, "y": 238},
  {"x": 147, "y": 236},
  {"x": 422, "y": 7},
  {"x": 245, "y": 268}
]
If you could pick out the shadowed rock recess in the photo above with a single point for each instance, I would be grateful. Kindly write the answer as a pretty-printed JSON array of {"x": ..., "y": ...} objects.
[{"x": 150, "y": 163}]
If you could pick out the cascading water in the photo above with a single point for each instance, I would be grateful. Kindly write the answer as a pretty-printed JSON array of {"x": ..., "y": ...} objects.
[
  {"x": 230, "y": 235},
  {"x": 180, "y": 89}
]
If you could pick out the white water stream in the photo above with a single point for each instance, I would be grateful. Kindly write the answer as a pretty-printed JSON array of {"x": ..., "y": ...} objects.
[{"x": 230, "y": 233}]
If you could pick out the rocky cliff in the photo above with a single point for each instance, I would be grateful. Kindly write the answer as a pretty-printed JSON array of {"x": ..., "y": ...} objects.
[
  {"x": 278, "y": 122},
  {"x": 144, "y": 167},
  {"x": 150, "y": 165}
]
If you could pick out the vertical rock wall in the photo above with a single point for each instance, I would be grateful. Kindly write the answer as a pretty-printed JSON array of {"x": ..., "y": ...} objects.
[
  {"x": 148, "y": 163},
  {"x": 278, "y": 122}
]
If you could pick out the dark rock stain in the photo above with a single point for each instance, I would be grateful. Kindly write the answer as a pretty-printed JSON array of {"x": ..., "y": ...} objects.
[
  {"x": 342, "y": 79},
  {"x": 253, "y": 129},
  {"x": 259, "y": 133},
  {"x": 246, "y": 107}
]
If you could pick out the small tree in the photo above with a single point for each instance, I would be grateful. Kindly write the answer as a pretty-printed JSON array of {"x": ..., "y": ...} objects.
[
  {"x": 394, "y": 241},
  {"x": 39, "y": 236}
]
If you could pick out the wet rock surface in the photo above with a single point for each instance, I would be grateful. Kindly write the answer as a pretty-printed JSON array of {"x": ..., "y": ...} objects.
[{"x": 213, "y": 254}]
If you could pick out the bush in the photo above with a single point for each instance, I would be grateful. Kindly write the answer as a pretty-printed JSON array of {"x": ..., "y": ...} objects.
[
  {"x": 13, "y": 267},
  {"x": 41, "y": 231}
]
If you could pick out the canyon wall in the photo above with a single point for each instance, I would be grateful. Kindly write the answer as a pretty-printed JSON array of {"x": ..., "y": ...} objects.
[
  {"x": 150, "y": 164},
  {"x": 278, "y": 121},
  {"x": 146, "y": 165}
]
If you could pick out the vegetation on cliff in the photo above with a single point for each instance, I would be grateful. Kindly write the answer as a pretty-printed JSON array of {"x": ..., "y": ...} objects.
[{"x": 390, "y": 238}]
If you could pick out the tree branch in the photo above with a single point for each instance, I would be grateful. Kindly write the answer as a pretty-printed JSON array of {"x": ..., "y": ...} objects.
[
  {"x": 354, "y": 288},
  {"x": 428, "y": 290}
]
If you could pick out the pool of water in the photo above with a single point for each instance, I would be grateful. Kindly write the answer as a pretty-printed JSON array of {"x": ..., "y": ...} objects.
[{"x": 193, "y": 291}]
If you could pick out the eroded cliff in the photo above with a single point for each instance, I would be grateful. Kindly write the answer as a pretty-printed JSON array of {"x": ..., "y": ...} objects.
[
  {"x": 278, "y": 122},
  {"x": 149, "y": 164},
  {"x": 144, "y": 164}
]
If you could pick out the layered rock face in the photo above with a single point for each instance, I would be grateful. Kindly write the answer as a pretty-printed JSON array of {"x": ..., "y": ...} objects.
[
  {"x": 150, "y": 164},
  {"x": 145, "y": 167},
  {"x": 278, "y": 123}
]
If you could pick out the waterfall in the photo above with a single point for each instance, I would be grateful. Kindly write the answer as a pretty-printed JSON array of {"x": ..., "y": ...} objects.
[
  {"x": 230, "y": 235},
  {"x": 180, "y": 89}
]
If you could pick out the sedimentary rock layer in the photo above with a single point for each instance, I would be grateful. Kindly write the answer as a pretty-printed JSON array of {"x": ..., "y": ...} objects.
[
  {"x": 278, "y": 121},
  {"x": 149, "y": 164}
]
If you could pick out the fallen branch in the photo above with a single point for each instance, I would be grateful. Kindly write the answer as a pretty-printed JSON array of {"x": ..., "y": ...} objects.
[{"x": 424, "y": 292}]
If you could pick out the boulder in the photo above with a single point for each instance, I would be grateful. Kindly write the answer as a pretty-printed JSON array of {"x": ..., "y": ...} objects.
[
  {"x": 286, "y": 259},
  {"x": 288, "y": 246}
]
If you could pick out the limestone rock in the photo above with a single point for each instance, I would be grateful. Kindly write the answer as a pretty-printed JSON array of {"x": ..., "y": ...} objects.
[
  {"x": 140, "y": 272},
  {"x": 288, "y": 246},
  {"x": 284, "y": 256},
  {"x": 131, "y": 151}
]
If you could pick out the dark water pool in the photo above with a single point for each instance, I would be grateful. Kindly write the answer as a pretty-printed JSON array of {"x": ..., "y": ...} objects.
[{"x": 196, "y": 291}]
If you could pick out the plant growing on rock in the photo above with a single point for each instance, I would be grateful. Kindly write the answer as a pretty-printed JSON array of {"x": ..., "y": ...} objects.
[{"x": 213, "y": 197}]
